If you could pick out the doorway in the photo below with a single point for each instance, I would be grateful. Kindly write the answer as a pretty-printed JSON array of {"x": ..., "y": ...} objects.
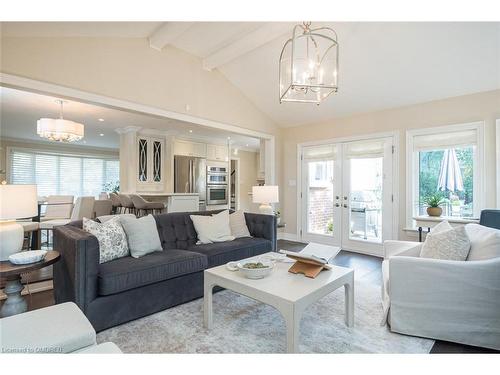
[{"x": 346, "y": 194}]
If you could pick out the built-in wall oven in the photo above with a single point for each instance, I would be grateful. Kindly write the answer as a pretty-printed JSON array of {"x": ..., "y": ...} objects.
[
  {"x": 217, "y": 194},
  {"x": 217, "y": 175}
]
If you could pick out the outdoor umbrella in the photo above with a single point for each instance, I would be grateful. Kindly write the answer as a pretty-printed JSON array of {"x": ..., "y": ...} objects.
[{"x": 450, "y": 176}]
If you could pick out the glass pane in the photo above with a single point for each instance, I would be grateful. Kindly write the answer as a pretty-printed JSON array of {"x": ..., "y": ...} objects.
[
  {"x": 438, "y": 174},
  {"x": 366, "y": 199},
  {"x": 320, "y": 197},
  {"x": 156, "y": 161},
  {"x": 143, "y": 159}
]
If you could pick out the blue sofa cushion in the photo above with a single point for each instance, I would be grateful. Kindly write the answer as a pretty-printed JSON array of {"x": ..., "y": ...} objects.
[
  {"x": 128, "y": 273},
  {"x": 223, "y": 252}
]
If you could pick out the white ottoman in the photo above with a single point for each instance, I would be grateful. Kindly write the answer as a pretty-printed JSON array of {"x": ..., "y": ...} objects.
[{"x": 56, "y": 329}]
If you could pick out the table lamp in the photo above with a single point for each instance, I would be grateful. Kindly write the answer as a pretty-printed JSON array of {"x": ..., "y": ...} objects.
[
  {"x": 265, "y": 195},
  {"x": 16, "y": 202}
]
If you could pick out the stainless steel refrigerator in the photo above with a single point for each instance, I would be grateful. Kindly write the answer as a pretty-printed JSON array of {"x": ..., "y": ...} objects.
[{"x": 190, "y": 176}]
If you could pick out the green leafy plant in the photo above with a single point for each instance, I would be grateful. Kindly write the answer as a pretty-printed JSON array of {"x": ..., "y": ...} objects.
[
  {"x": 112, "y": 187},
  {"x": 329, "y": 226},
  {"x": 434, "y": 200}
]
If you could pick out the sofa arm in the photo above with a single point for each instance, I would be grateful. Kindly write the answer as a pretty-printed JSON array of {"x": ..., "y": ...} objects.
[
  {"x": 75, "y": 275},
  {"x": 402, "y": 248},
  {"x": 262, "y": 226}
]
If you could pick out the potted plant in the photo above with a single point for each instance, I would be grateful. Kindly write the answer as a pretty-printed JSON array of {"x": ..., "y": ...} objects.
[
  {"x": 278, "y": 217},
  {"x": 433, "y": 202}
]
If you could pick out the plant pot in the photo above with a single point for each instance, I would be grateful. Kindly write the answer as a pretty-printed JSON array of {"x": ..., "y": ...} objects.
[{"x": 434, "y": 211}]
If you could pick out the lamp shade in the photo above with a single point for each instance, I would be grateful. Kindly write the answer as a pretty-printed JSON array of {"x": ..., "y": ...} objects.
[
  {"x": 265, "y": 194},
  {"x": 60, "y": 130},
  {"x": 18, "y": 201}
]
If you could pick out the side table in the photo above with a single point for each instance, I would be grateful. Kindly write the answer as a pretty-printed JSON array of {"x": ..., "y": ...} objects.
[{"x": 15, "y": 302}]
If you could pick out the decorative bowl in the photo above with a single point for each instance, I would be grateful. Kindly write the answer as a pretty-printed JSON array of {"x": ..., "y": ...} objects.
[
  {"x": 27, "y": 257},
  {"x": 256, "y": 269}
]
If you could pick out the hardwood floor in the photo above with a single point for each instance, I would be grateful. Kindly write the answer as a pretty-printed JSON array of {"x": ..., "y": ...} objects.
[{"x": 367, "y": 269}]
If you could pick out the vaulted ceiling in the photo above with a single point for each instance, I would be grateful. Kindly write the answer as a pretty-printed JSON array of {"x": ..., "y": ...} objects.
[{"x": 382, "y": 65}]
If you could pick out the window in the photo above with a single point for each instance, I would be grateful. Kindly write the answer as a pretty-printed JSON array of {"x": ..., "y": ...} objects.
[
  {"x": 445, "y": 162},
  {"x": 63, "y": 174}
]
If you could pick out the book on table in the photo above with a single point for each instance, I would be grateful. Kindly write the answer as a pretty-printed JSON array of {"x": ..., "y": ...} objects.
[{"x": 314, "y": 255}]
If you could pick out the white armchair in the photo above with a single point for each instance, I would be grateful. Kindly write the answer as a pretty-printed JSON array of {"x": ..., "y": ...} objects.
[{"x": 456, "y": 301}]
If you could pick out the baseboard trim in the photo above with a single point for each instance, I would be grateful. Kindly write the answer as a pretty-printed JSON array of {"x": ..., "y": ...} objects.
[{"x": 37, "y": 287}]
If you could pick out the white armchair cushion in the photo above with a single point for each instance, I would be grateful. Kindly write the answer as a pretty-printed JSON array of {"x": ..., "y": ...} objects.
[
  {"x": 450, "y": 244},
  {"x": 484, "y": 241}
]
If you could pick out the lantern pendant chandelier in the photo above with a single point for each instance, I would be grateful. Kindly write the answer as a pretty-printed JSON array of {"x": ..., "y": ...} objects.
[
  {"x": 59, "y": 130},
  {"x": 309, "y": 64}
]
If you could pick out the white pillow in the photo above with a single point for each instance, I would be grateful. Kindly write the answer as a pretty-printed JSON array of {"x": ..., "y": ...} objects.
[
  {"x": 111, "y": 237},
  {"x": 441, "y": 227},
  {"x": 484, "y": 242},
  {"x": 213, "y": 228},
  {"x": 452, "y": 244},
  {"x": 142, "y": 235},
  {"x": 238, "y": 225}
]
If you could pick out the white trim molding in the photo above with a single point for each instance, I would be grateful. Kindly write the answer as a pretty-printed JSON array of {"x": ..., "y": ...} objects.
[{"x": 479, "y": 157}]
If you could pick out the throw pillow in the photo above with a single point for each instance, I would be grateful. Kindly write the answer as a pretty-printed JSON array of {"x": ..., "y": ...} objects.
[
  {"x": 213, "y": 228},
  {"x": 142, "y": 235},
  {"x": 111, "y": 238},
  {"x": 105, "y": 218},
  {"x": 238, "y": 225},
  {"x": 451, "y": 244},
  {"x": 484, "y": 242},
  {"x": 441, "y": 227}
]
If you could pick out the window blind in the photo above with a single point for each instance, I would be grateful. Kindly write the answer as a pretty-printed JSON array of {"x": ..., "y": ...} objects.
[
  {"x": 63, "y": 174},
  {"x": 322, "y": 152},
  {"x": 365, "y": 149},
  {"x": 442, "y": 141}
]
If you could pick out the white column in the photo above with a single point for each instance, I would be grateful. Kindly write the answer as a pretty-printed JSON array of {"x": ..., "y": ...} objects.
[{"x": 128, "y": 158}]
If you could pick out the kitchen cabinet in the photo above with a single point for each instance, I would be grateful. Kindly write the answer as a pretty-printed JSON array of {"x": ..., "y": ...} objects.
[
  {"x": 187, "y": 148},
  {"x": 217, "y": 152},
  {"x": 150, "y": 162}
]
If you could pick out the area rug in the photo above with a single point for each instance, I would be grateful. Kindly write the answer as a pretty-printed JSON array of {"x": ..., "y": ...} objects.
[{"x": 243, "y": 325}]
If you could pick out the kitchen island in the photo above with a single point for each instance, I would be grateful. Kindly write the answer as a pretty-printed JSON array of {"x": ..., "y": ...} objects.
[{"x": 175, "y": 202}]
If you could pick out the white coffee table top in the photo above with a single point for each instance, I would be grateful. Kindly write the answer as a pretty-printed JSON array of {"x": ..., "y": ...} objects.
[{"x": 281, "y": 283}]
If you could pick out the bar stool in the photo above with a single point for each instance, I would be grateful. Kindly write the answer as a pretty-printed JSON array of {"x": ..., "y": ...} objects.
[
  {"x": 115, "y": 202},
  {"x": 147, "y": 207},
  {"x": 126, "y": 203}
]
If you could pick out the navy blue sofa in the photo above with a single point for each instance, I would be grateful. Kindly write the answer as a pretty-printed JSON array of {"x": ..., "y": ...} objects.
[{"x": 125, "y": 289}]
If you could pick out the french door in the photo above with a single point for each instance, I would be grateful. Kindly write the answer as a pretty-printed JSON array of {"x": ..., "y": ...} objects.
[{"x": 347, "y": 194}]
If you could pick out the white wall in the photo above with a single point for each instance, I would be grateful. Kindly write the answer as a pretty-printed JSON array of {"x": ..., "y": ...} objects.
[{"x": 464, "y": 109}]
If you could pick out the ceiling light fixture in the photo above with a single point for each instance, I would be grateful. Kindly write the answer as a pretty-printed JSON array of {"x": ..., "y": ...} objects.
[
  {"x": 102, "y": 135},
  {"x": 309, "y": 64},
  {"x": 190, "y": 131},
  {"x": 59, "y": 130},
  {"x": 101, "y": 120}
]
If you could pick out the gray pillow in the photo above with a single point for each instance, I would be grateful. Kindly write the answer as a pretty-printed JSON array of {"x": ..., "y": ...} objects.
[{"x": 142, "y": 235}]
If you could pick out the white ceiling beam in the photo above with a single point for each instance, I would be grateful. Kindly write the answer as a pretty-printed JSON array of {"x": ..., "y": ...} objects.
[
  {"x": 247, "y": 43},
  {"x": 167, "y": 33}
]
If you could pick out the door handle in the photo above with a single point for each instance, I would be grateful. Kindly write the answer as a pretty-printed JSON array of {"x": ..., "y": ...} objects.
[
  {"x": 345, "y": 205},
  {"x": 337, "y": 205}
]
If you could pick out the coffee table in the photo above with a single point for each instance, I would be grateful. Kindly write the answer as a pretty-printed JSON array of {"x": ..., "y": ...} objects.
[{"x": 289, "y": 293}]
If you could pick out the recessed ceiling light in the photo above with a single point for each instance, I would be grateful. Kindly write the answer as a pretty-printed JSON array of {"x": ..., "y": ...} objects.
[
  {"x": 190, "y": 131},
  {"x": 228, "y": 137},
  {"x": 101, "y": 119},
  {"x": 246, "y": 145},
  {"x": 84, "y": 141},
  {"x": 102, "y": 135}
]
